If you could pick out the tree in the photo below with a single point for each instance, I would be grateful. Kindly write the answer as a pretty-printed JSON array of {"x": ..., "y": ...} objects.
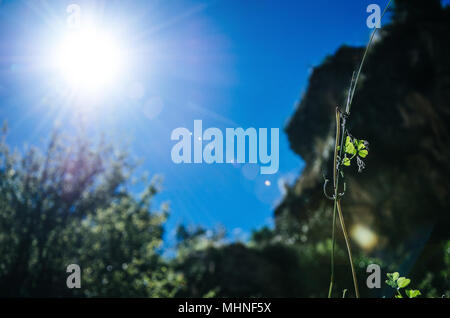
[{"x": 71, "y": 205}]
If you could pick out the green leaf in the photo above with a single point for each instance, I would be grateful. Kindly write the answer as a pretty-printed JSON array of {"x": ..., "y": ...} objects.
[
  {"x": 363, "y": 153},
  {"x": 361, "y": 145},
  {"x": 391, "y": 283},
  {"x": 392, "y": 279},
  {"x": 349, "y": 147},
  {"x": 402, "y": 282},
  {"x": 346, "y": 162},
  {"x": 398, "y": 296},
  {"x": 395, "y": 276},
  {"x": 413, "y": 293}
]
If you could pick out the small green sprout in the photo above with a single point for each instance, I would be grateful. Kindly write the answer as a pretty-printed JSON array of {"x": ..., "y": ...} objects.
[
  {"x": 412, "y": 293},
  {"x": 355, "y": 148},
  {"x": 395, "y": 281}
]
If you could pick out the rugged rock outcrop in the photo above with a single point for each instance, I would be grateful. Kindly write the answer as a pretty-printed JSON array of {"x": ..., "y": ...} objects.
[{"x": 402, "y": 107}]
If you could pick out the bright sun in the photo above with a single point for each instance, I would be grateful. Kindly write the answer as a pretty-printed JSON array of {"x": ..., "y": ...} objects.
[{"x": 89, "y": 59}]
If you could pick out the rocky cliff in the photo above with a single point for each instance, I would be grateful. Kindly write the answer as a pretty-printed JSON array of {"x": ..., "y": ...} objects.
[{"x": 401, "y": 106}]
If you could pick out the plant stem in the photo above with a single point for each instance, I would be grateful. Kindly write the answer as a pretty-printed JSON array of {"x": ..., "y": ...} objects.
[
  {"x": 333, "y": 239},
  {"x": 338, "y": 147},
  {"x": 344, "y": 292},
  {"x": 335, "y": 184},
  {"x": 363, "y": 60},
  {"x": 347, "y": 242}
]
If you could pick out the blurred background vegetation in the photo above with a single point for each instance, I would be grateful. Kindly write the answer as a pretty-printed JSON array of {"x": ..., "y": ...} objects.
[{"x": 72, "y": 203}]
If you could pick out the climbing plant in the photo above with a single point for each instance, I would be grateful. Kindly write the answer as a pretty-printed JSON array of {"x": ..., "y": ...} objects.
[{"x": 346, "y": 149}]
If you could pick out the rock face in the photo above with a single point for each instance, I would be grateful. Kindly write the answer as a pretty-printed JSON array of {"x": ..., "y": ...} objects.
[
  {"x": 396, "y": 210},
  {"x": 402, "y": 107}
]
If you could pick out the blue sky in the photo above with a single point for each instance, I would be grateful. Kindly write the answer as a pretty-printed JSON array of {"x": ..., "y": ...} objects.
[{"x": 229, "y": 63}]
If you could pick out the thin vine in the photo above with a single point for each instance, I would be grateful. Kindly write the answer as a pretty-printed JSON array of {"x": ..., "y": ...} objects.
[{"x": 346, "y": 148}]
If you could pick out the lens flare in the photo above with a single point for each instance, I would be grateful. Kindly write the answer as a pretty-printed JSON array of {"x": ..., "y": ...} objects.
[{"x": 364, "y": 236}]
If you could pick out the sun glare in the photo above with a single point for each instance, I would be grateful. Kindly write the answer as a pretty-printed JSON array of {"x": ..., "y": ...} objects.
[
  {"x": 364, "y": 236},
  {"x": 89, "y": 59}
]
